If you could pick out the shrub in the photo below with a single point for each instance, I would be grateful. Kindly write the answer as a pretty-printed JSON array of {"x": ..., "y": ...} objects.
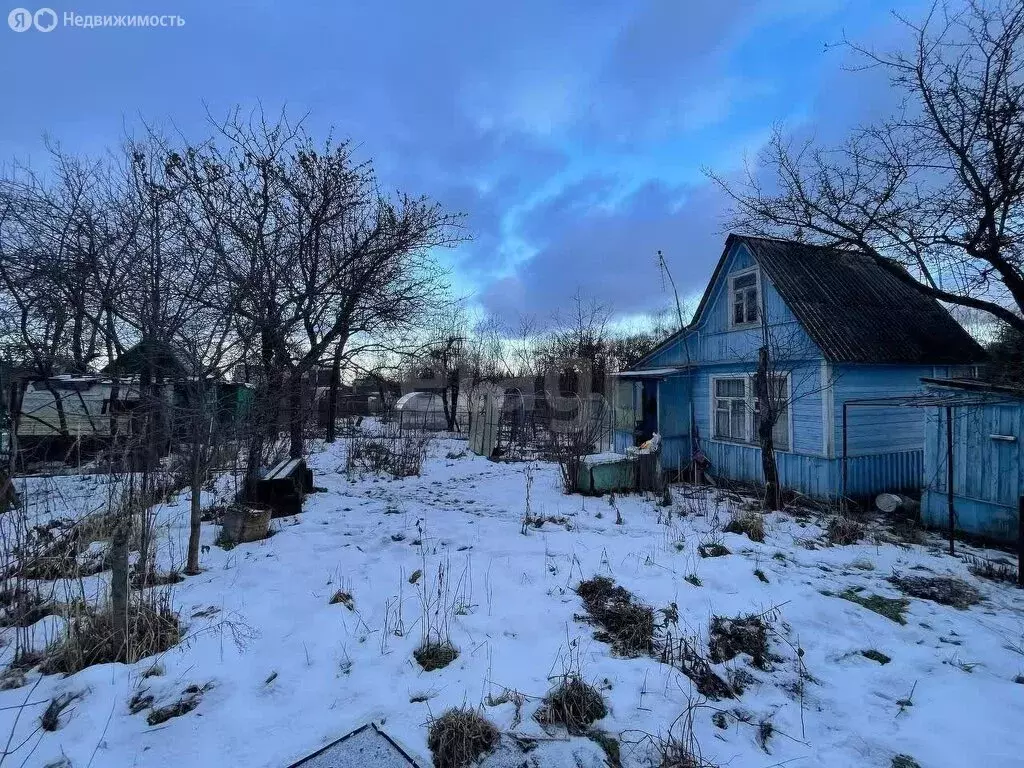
[
  {"x": 573, "y": 704},
  {"x": 396, "y": 451},
  {"x": 459, "y": 737}
]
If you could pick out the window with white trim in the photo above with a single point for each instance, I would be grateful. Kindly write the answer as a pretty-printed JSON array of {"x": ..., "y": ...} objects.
[
  {"x": 743, "y": 288},
  {"x": 731, "y": 409},
  {"x": 737, "y": 413}
]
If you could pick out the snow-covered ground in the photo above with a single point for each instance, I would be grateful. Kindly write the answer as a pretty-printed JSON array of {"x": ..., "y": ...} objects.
[{"x": 285, "y": 671}]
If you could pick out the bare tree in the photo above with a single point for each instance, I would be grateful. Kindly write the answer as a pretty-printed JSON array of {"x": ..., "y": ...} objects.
[
  {"x": 311, "y": 254},
  {"x": 934, "y": 193}
]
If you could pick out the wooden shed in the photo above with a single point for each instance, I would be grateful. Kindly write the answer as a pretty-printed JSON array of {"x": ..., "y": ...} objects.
[{"x": 986, "y": 456}]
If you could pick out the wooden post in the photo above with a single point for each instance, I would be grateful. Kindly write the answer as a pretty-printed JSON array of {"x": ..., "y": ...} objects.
[
  {"x": 843, "y": 500},
  {"x": 1020, "y": 543},
  {"x": 949, "y": 477}
]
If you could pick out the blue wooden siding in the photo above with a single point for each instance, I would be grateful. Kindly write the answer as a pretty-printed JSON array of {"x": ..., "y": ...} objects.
[
  {"x": 712, "y": 340},
  {"x": 818, "y": 476},
  {"x": 988, "y": 474},
  {"x": 872, "y": 430}
]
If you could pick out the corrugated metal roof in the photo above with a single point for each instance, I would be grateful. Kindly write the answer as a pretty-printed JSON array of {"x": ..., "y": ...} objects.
[{"x": 858, "y": 312}]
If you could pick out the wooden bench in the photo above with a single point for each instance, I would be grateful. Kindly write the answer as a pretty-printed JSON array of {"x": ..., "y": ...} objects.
[{"x": 284, "y": 487}]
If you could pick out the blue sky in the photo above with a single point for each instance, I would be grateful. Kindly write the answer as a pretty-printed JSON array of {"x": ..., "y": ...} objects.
[{"x": 571, "y": 133}]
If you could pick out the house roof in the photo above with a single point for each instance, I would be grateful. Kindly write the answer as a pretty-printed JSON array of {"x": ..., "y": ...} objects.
[
  {"x": 164, "y": 359},
  {"x": 854, "y": 310},
  {"x": 857, "y": 311}
]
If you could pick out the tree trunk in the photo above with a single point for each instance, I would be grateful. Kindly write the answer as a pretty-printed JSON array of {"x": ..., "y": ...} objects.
[
  {"x": 295, "y": 415},
  {"x": 765, "y": 432},
  {"x": 332, "y": 396},
  {"x": 195, "y": 523},
  {"x": 58, "y": 404},
  {"x": 451, "y": 404},
  {"x": 199, "y": 456}
]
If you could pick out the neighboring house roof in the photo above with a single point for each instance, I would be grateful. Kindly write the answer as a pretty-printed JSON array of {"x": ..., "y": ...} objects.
[
  {"x": 854, "y": 310},
  {"x": 164, "y": 359}
]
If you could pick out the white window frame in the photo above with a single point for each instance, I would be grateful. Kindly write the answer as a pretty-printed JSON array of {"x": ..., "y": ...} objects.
[
  {"x": 731, "y": 303},
  {"x": 749, "y": 433},
  {"x": 745, "y": 438}
]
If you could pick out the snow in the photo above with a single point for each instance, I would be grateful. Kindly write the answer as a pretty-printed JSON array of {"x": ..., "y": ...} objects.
[
  {"x": 608, "y": 457},
  {"x": 289, "y": 673}
]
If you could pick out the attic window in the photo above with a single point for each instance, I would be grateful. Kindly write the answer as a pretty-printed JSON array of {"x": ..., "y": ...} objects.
[{"x": 744, "y": 298}]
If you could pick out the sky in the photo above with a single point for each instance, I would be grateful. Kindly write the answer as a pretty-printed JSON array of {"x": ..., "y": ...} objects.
[{"x": 573, "y": 134}]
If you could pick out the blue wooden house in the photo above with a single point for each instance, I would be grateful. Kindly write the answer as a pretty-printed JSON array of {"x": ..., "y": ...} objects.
[{"x": 838, "y": 327}]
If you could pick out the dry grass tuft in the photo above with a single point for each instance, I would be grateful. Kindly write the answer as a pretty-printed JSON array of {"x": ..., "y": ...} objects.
[
  {"x": 139, "y": 701},
  {"x": 843, "y": 530},
  {"x": 50, "y": 719},
  {"x": 574, "y": 704},
  {"x": 610, "y": 745},
  {"x": 748, "y": 522},
  {"x": 714, "y": 549},
  {"x": 743, "y": 634},
  {"x": 189, "y": 700},
  {"x": 876, "y": 655},
  {"x": 23, "y": 608},
  {"x": 675, "y": 754},
  {"x": 91, "y": 639},
  {"x": 433, "y": 656},
  {"x": 890, "y": 607},
  {"x": 947, "y": 590},
  {"x": 459, "y": 737},
  {"x": 993, "y": 570},
  {"x": 344, "y": 598},
  {"x": 682, "y": 654},
  {"x": 628, "y": 626}
]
